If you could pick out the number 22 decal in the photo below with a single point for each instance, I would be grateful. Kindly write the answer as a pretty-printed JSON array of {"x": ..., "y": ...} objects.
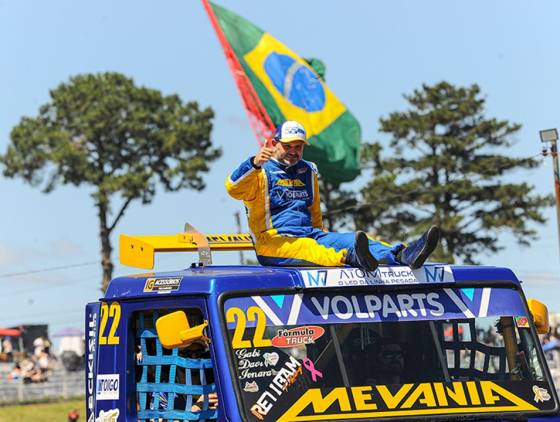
[
  {"x": 253, "y": 313},
  {"x": 113, "y": 312}
]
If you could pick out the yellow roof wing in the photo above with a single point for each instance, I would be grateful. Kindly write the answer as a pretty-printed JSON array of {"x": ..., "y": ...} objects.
[{"x": 139, "y": 251}]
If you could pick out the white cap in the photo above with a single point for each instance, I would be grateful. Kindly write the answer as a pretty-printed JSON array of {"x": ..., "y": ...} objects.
[{"x": 291, "y": 131}]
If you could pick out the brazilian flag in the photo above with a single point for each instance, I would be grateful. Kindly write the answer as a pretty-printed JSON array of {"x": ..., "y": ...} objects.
[{"x": 290, "y": 89}]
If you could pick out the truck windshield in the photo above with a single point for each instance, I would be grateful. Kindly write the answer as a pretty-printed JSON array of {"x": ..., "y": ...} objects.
[{"x": 338, "y": 356}]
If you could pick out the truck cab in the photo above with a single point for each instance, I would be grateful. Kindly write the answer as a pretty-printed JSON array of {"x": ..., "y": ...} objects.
[{"x": 253, "y": 343}]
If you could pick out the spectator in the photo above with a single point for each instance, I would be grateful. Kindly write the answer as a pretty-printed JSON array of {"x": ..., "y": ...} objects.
[
  {"x": 43, "y": 362},
  {"x": 73, "y": 415},
  {"x": 47, "y": 345},
  {"x": 15, "y": 374},
  {"x": 31, "y": 372},
  {"x": 8, "y": 348},
  {"x": 38, "y": 346}
]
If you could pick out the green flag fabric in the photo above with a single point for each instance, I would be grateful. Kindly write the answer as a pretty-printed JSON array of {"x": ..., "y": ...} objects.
[{"x": 290, "y": 89}]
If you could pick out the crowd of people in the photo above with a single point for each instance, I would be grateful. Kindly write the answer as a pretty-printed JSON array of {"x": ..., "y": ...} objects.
[{"x": 34, "y": 367}]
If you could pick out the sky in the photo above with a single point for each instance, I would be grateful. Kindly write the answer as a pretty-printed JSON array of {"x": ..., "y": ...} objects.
[{"x": 375, "y": 52}]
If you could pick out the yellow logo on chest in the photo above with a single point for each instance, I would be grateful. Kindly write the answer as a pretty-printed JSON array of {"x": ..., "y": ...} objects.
[{"x": 290, "y": 182}]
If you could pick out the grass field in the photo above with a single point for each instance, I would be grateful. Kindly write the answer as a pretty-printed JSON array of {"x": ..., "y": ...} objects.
[{"x": 44, "y": 412}]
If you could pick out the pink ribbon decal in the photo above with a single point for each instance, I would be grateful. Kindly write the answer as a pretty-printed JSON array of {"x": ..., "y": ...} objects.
[{"x": 310, "y": 366}]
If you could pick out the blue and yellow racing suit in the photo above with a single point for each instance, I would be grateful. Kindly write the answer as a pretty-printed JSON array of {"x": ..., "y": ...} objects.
[{"x": 284, "y": 213}]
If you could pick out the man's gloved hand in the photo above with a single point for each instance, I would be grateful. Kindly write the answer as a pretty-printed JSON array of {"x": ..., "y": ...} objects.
[{"x": 264, "y": 154}]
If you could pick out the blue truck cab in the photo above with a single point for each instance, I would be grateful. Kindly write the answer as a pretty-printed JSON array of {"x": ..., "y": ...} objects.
[{"x": 441, "y": 342}]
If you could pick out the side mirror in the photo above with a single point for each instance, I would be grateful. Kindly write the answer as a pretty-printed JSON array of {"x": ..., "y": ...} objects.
[
  {"x": 539, "y": 311},
  {"x": 173, "y": 330}
]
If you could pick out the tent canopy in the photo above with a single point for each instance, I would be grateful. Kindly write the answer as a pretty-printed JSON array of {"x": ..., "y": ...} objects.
[{"x": 9, "y": 332}]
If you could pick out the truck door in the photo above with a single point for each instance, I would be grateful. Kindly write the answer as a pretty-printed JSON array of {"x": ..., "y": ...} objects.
[{"x": 131, "y": 377}]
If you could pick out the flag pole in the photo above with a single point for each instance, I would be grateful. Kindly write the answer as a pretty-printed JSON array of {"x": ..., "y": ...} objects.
[{"x": 260, "y": 121}]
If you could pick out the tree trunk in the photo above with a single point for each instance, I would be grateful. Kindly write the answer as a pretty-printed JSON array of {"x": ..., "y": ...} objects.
[{"x": 106, "y": 248}]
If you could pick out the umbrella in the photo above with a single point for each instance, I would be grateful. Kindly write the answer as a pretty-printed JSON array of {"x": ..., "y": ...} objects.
[
  {"x": 9, "y": 332},
  {"x": 68, "y": 332}
]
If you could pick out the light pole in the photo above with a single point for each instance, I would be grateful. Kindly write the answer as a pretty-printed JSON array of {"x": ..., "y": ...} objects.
[{"x": 551, "y": 135}]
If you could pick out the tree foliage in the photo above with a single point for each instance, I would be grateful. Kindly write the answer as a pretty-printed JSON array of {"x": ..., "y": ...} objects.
[
  {"x": 103, "y": 131},
  {"x": 337, "y": 206},
  {"x": 444, "y": 166}
]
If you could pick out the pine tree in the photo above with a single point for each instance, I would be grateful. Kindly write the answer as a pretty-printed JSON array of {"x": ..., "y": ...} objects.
[
  {"x": 104, "y": 132},
  {"x": 445, "y": 165}
]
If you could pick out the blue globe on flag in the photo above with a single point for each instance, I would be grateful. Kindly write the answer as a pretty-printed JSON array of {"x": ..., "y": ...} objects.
[{"x": 296, "y": 82}]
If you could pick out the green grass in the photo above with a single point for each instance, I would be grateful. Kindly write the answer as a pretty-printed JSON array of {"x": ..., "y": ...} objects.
[{"x": 44, "y": 412}]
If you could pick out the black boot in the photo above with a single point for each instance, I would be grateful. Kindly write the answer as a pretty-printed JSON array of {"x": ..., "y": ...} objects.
[
  {"x": 419, "y": 250},
  {"x": 359, "y": 256}
]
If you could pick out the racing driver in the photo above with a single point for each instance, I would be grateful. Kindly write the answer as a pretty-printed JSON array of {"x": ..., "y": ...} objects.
[{"x": 280, "y": 191}]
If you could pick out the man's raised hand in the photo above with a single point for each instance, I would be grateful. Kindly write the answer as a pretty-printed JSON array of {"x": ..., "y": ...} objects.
[{"x": 264, "y": 154}]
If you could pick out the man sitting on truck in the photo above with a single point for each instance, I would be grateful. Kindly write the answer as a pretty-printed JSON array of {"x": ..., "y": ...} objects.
[{"x": 280, "y": 191}]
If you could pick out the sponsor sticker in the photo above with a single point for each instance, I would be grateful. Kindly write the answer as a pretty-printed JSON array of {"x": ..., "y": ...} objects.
[
  {"x": 91, "y": 359},
  {"x": 407, "y": 400},
  {"x": 522, "y": 322},
  {"x": 258, "y": 412},
  {"x": 251, "y": 387},
  {"x": 290, "y": 183},
  {"x": 281, "y": 381},
  {"x": 162, "y": 285},
  {"x": 290, "y": 195},
  {"x": 251, "y": 364},
  {"x": 310, "y": 366},
  {"x": 107, "y": 387},
  {"x": 298, "y": 336},
  {"x": 292, "y": 379},
  {"x": 108, "y": 416},
  {"x": 541, "y": 394},
  {"x": 271, "y": 359},
  {"x": 219, "y": 239},
  {"x": 348, "y": 277}
]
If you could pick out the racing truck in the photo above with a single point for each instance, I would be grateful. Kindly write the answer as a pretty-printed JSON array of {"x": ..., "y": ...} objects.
[{"x": 255, "y": 343}]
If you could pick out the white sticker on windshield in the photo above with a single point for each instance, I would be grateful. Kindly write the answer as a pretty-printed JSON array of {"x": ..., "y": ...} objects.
[
  {"x": 347, "y": 277},
  {"x": 541, "y": 394}
]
